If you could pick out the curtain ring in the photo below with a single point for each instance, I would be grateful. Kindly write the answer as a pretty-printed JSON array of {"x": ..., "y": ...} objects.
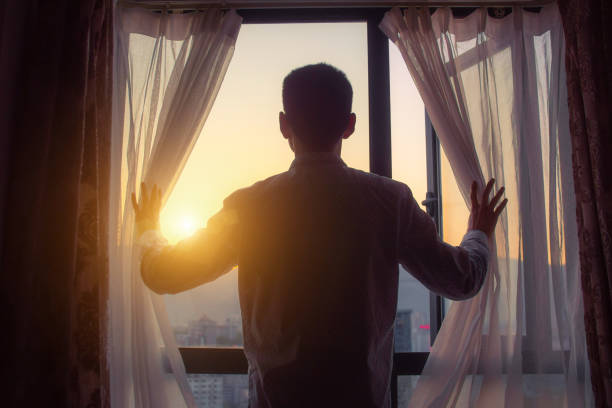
[{"x": 499, "y": 12}]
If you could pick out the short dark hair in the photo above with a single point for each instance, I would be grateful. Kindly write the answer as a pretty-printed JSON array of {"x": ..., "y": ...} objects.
[{"x": 317, "y": 100}]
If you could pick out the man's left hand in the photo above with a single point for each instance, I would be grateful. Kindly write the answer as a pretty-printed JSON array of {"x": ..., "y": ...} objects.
[{"x": 147, "y": 210}]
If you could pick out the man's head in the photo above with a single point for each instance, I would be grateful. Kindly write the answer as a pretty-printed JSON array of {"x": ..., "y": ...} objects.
[{"x": 317, "y": 101}]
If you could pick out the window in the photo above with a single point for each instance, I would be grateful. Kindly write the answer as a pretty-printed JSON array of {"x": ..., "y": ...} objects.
[
  {"x": 409, "y": 165},
  {"x": 251, "y": 149},
  {"x": 393, "y": 137}
]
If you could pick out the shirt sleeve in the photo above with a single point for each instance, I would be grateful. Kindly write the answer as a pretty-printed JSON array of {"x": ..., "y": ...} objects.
[
  {"x": 454, "y": 272},
  {"x": 201, "y": 258}
]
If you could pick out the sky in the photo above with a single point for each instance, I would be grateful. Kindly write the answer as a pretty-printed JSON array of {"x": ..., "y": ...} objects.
[
  {"x": 241, "y": 139},
  {"x": 241, "y": 142}
]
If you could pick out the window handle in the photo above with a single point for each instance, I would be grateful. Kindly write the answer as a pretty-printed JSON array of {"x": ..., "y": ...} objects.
[{"x": 431, "y": 203}]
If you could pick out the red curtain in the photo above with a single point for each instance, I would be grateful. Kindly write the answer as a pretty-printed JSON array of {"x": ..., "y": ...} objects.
[
  {"x": 55, "y": 118},
  {"x": 588, "y": 34}
]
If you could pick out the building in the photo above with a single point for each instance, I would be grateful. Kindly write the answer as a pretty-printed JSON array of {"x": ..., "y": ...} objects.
[
  {"x": 403, "y": 331},
  {"x": 207, "y": 332},
  {"x": 420, "y": 332},
  {"x": 213, "y": 390},
  {"x": 207, "y": 390}
]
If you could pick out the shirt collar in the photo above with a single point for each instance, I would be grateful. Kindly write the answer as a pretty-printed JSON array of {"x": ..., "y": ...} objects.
[{"x": 316, "y": 159}]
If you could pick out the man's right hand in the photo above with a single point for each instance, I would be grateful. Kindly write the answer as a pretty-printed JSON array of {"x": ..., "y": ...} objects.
[{"x": 484, "y": 214}]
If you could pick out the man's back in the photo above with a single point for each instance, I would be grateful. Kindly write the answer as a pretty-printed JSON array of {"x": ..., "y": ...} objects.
[
  {"x": 319, "y": 247},
  {"x": 318, "y": 283}
]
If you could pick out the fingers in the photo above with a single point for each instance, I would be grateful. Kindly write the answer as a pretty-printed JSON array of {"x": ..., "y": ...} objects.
[
  {"x": 487, "y": 192},
  {"x": 135, "y": 203},
  {"x": 500, "y": 208},
  {"x": 148, "y": 200},
  {"x": 144, "y": 197},
  {"x": 156, "y": 197},
  {"x": 474, "y": 194},
  {"x": 496, "y": 198}
]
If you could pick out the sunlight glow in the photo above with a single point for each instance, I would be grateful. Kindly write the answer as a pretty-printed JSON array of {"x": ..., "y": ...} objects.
[
  {"x": 188, "y": 225},
  {"x": 179, "y": 227}
]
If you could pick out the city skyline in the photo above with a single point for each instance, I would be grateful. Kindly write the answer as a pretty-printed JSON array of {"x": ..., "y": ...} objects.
[
  {"x": 220, "y": 301},
  {"x": 411, "y": 330}
]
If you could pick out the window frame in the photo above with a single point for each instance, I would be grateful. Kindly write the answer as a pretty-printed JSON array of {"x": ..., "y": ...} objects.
[{"x": 231, "y": 360}]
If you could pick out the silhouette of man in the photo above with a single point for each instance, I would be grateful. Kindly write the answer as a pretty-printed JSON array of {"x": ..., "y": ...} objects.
[{"x": 318, "y": 249}]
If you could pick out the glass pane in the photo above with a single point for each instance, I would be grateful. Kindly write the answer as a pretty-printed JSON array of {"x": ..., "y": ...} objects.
[
  {"x": 405, "y": 386},
  {"x": 205, "y": 331},
  {"x": 220, "y": 391},
  {"x": 455, "y": 214},
  {"x": 241, "y": 143},
  {"x": 409, "y": 165}
]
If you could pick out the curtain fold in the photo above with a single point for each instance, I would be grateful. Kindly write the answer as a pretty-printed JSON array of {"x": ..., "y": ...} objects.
[
  {"x": 495, "y": 91},
  {"x": 589, "y": 81},
  {"x": 56, "y": 70},
  {"x": 169, "y": 68}
]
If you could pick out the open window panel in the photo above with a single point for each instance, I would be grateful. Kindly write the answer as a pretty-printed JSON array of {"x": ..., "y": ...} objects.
[
  {"x": 456, "y": 213},
  {"x": 409, "y": 165}
]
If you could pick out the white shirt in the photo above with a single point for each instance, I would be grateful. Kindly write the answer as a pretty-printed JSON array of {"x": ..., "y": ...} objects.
[{"x": 318, "y": 249}]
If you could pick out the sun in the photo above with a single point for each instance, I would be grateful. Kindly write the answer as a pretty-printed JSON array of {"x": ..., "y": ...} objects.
[
  {"x": 187, "y": 225},
  {"x": 176, "y": 227}
]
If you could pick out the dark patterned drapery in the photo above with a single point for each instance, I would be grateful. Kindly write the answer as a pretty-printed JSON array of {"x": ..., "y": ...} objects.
[
  {"x": 55, "y": 119},
  {"x": 588, "y": 35}
]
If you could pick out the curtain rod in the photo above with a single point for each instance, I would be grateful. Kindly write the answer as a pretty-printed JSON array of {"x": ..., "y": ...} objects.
[{"x": 177, "y": 5}]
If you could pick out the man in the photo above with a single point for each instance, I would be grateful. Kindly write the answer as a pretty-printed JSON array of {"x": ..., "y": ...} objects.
[{"x": 318, "y": 249}]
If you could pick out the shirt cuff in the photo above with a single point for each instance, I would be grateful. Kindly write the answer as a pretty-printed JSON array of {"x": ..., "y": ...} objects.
[
  {"x": 476, "y": 243},
  {"x": 152, "y": 239},
  {"x": 151, "y": 243},
  {"x": 477, "y": 235}
]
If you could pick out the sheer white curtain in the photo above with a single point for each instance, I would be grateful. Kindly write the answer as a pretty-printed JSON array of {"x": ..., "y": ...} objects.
[
  {"x": 168, "y": 70},
  {"x": 495, "y": 91}
]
